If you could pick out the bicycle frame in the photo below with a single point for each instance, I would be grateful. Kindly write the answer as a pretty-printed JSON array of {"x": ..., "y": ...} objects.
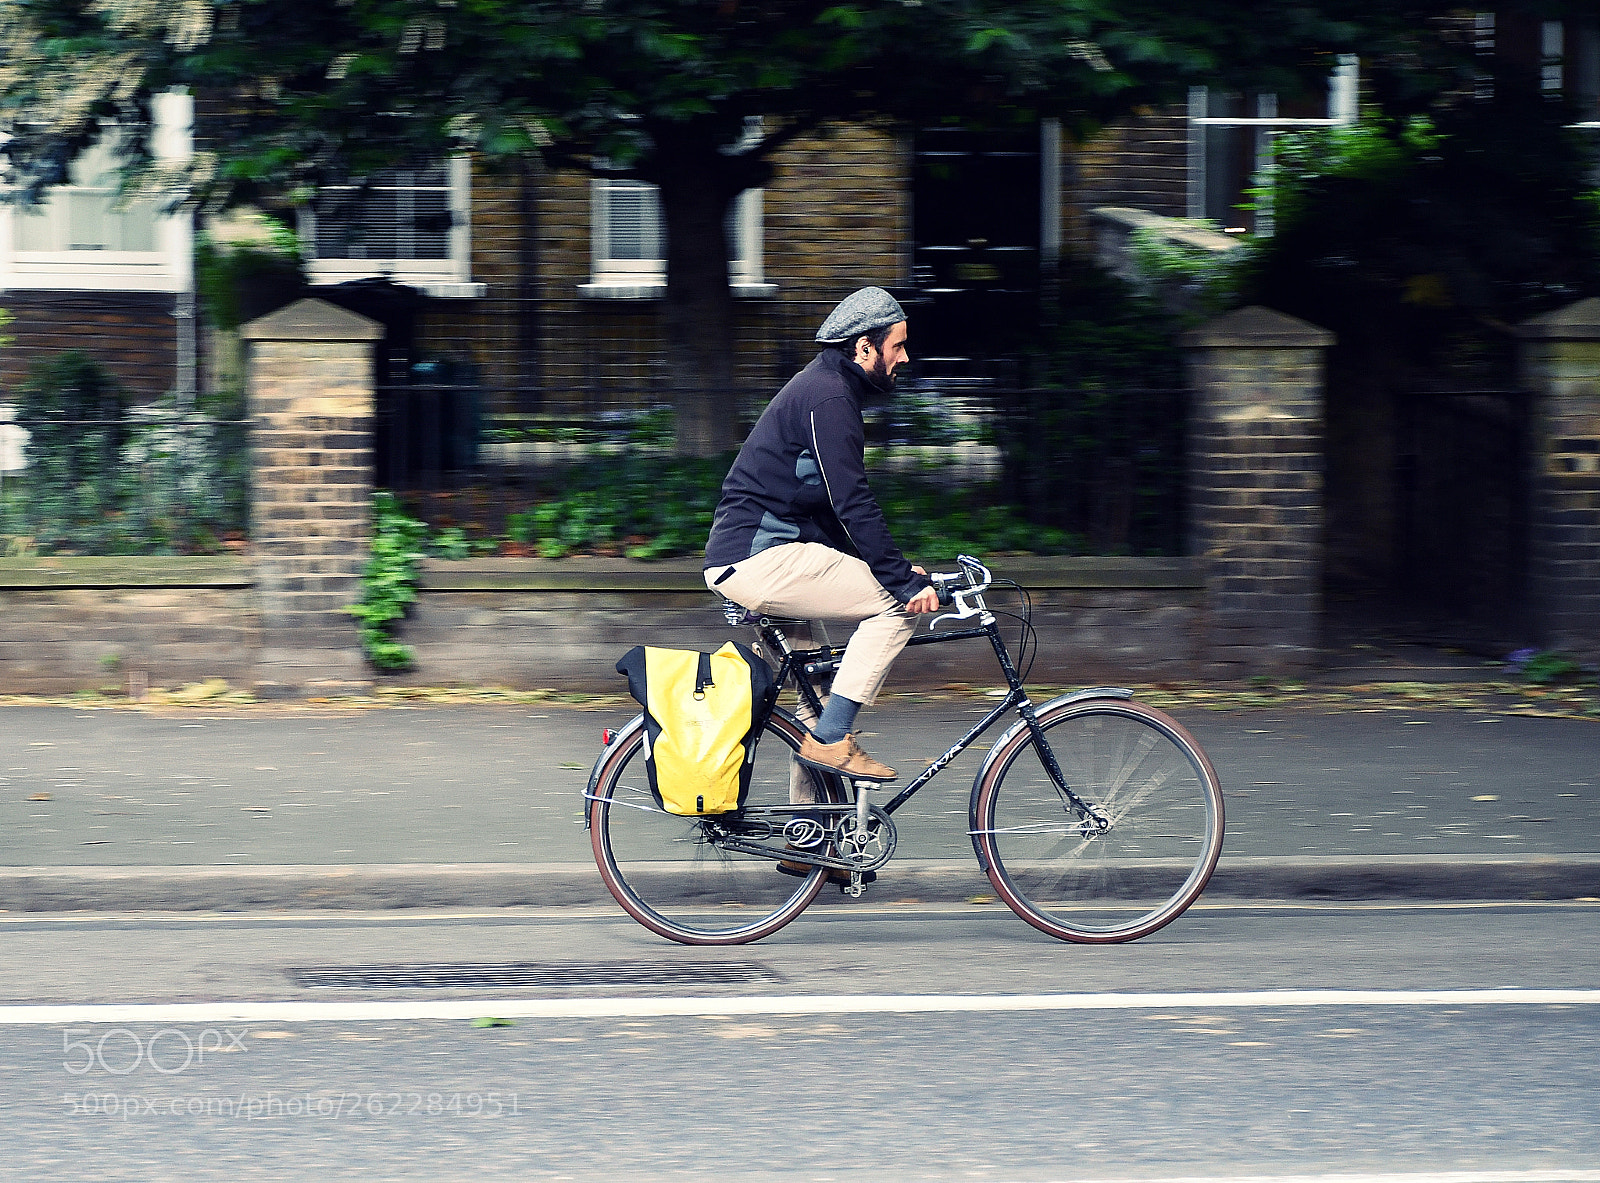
[{"x": 798, "y": 664}]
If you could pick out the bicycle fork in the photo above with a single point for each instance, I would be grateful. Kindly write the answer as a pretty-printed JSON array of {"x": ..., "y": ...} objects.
[{"x": 1092, "y": 821}]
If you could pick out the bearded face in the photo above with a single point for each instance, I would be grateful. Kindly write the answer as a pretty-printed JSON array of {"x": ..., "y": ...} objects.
[{"x": 881, "y": 362}]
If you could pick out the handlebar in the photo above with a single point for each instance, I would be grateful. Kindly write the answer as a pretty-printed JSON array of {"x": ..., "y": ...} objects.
[{"x": 963, "y": 588}]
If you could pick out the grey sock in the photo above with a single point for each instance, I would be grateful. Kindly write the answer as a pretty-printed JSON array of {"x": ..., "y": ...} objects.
[{"x": 837, "y": 718}]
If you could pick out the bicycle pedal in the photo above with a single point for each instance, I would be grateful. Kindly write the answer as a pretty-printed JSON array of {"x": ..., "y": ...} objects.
[{"x": 845, "y": 884}]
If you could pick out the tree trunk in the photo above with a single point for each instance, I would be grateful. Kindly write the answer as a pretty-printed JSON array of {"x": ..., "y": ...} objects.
[{"x": 698, "y": 186}]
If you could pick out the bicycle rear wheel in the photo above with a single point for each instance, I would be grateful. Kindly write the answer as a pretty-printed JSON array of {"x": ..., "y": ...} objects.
[
  {"x": 1145, "y": 860},
  {"x": 671, "y": 874}
]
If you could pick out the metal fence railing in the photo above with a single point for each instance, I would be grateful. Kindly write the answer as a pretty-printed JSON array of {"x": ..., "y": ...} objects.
[
  {"x": 152, "y": 481},
  {"x": 1060, "y": 470}
]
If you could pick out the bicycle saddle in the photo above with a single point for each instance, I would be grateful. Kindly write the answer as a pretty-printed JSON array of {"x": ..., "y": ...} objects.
[{"x": 738, "y": 614}]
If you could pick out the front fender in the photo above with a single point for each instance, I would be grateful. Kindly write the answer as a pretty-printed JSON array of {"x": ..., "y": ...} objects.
[{"x": 999, "y": 745}]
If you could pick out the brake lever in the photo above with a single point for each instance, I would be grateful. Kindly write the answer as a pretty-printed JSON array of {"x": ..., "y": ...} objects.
[
  {"x": 960, "y": 593},
  {"x": 965, "y": 611}
]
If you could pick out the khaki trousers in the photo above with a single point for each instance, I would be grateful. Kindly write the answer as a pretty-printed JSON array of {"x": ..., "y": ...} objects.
[{"x": 815, "y": 582}]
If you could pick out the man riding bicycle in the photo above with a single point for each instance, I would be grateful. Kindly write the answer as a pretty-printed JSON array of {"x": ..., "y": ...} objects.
[{"x": 798, "y": 533}]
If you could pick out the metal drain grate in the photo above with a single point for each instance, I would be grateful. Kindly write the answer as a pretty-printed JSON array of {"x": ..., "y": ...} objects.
[{"x": 547, "y": 974}]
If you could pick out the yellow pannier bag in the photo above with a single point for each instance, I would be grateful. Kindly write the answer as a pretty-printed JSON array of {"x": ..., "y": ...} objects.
[{"x": 703, "y": 714}]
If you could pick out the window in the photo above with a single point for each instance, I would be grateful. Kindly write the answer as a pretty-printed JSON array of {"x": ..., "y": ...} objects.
[
  {"x": 1570, "y": 66},
  {"x": 628, "y": 241},
  {"x": 409, "y": 225},
  {"x": 626, "y": 236},
  {"x": 1568, "y": 59},
  {"x": 1230, "y": 145},
  {"x": 84, "y": 236}
]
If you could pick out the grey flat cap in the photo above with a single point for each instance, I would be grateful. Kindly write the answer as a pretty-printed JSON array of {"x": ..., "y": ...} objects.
[{"x": 860, "y": 312}]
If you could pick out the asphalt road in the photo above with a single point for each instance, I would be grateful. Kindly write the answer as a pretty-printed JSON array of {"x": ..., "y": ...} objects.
[
  {"x": 1211, "y": 1050},
  {"x": 464, "y": 806},
  {"x": 453, "y": 784}
]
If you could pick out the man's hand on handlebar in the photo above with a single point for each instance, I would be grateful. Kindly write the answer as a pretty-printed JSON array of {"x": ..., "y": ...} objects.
[{"x": 926, "y": 600}]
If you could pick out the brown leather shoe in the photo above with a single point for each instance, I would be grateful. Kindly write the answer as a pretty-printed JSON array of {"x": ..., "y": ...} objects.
[
  {"x": 844, "y": 757},
  {"x": 842, "y": 878}
]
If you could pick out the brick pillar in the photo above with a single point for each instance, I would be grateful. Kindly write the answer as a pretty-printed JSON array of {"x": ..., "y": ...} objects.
[
  {"x": 311, "y": 410},
  {"x": 1561, "y": 366},
  {"x": 1255, "y": 487}
]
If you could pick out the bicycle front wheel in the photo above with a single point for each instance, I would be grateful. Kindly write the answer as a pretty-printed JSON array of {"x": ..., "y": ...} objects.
[
  {"x": 676, "y": 876},
  {"x": 1139, "y": 855}
]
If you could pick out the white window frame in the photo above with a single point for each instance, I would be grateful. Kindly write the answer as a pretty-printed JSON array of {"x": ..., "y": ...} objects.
[
  {"x": 447, "y": 278},
  {"x": 167, "y": 267},
  {"x": 1344, "y": 86},
  {"x": 618, "y": 278},
  {"x": 646, "y": 279}
]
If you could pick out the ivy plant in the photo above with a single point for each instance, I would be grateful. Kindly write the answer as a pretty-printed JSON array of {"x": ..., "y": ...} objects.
[{"x": 389, "y": 582}]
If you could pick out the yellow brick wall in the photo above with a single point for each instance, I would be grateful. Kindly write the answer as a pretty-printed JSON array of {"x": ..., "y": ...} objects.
[
  {"x": 1139, "y": 162},
  {"x": 837, "y": 216}
]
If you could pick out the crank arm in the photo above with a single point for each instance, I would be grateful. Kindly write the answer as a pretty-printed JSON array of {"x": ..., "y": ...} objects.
[{"x": 786, "y": 855}]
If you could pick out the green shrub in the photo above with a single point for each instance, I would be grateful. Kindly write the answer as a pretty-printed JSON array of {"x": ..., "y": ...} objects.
[
  {"x": 652, "y": 507},
  {"x": 102, "y": 477},
  {"x": 389, "y": 582},
  {"x": 239, "y": 282},
  {"x": 1418, "y": 242},
  {"x": 1193, "y": 282},
  {"x": 74, "y": 414},
  {"x": 1545, "y": 667}
]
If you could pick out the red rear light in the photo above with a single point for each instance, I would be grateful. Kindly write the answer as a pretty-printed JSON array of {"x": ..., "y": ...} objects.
[{"x": 605, "y": 737}]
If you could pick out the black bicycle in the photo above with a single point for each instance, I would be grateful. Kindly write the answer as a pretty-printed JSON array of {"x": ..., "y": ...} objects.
[{"x": 1096, "y": 818}]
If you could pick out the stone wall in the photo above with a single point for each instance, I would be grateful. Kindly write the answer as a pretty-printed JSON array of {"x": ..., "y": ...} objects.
[
  {"x": 1249, "y": 601},
  {"x": 77, "y": 624},
  {"x": 1256, "y": 489},
  {"x": 311, "y": 406},
  {"x": 526, "y": 623},
  {"x": 1561, "y": 364},
  {"x": 85, "y": 623}
]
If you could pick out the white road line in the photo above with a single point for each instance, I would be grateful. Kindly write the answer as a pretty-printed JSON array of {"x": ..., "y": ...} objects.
[
  {"x": 1554, "y": 1175},
  {"x": 777, "y": 1004}
]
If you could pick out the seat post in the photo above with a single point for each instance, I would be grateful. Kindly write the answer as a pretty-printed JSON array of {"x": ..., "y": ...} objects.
[
  {"x": 766, "y": 626},
  {"x": 779, "y": 639}
]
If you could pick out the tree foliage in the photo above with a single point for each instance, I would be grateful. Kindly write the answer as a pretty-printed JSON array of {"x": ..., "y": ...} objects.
[
  {"x": 303, "y": 93},
  {"x": 322, "y": 92},
  {"x": 1421, "y": 242}
]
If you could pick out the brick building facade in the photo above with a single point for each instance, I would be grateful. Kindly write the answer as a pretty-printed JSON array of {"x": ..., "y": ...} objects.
[
  {"x": 544, "y": 336},
  {"x": 135, "y": 335}
]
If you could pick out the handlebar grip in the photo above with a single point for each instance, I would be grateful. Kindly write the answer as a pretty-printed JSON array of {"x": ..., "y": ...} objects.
[{"x": 945, "y": 586}]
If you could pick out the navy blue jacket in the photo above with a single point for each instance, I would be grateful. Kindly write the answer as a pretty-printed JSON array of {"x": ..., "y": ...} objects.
[{"x": 800, "y": 477}]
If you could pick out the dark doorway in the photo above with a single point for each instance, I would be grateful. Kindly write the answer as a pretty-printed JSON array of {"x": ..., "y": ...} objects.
[
  {"x": 1463, "y": 488},
  {"x": 1428, "y": 511},
  {"x": 976, "y": 232}
]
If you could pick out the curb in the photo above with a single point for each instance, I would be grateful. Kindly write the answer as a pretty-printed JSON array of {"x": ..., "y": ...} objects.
[
  {"x": 377, "y": 887},
  {"x": 1400, "y": 877}
]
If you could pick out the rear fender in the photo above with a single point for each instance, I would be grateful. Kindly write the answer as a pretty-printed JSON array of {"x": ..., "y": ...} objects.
[
  {"x": 1001, "y": 744},
  {"x": 617, "y": 738}
]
